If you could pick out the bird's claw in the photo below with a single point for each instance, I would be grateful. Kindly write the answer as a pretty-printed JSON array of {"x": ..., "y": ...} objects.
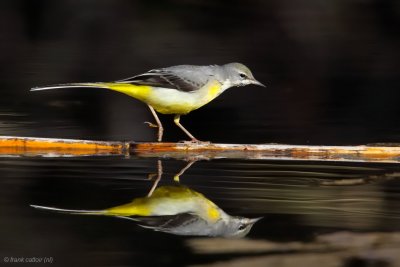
[
  {"x": 150, "y": 124},
  {"x": 151, "y": 176}
]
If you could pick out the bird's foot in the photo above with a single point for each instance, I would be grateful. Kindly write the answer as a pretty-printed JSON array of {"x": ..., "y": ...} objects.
[
  {"x": 150, "y": 124},
  {"x": 151, "y": 176},
  {"x": 160, "y": 129}
]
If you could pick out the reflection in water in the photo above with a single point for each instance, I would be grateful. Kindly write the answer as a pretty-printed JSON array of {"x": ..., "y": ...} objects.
[
  {"x": 177, "y": 210},
  {"x": 300, "y": 200}
]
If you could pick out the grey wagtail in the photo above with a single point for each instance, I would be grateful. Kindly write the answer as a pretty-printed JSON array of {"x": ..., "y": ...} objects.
[
  {"x": 175, "y": 90},
  {"x": 176, "y": 210}
]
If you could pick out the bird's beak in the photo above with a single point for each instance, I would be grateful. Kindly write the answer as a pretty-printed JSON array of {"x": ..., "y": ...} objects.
[
  {"x": 257, "y": 83},
  {"x": 254, "y": 220}
]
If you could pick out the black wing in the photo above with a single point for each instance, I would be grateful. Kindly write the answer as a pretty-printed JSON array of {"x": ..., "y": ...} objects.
[
  {"x": 164, "y": 79},
  {"x": 166, "y": 222}
]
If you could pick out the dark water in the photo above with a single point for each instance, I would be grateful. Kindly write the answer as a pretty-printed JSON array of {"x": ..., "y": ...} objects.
[
  {"x": 331, "y": 70},
  {"x": 298, "y": 200}
]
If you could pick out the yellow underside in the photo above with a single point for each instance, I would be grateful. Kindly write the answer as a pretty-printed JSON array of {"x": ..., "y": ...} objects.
[
  {"x": 166, "y": 194},
  {"x": 141, "y": 92},
  {"x": 168, "y": 101}
]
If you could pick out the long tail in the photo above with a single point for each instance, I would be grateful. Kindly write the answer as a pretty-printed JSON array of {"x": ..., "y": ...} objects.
[
  {"x": 71, "y": 85},
  {"x": 137, "y": 91},
  {"x": 84, "y": 212},
  {"x": 69, "y": 211}
]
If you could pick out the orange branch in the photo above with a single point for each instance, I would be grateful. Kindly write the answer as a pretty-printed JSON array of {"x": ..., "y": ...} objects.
[{"x": 30, "y": 146}]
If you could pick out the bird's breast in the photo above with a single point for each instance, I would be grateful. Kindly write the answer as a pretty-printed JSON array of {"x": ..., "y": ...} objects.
[
  {"x": 214, "y": 89},
  {"x": 171, "y": 101}
]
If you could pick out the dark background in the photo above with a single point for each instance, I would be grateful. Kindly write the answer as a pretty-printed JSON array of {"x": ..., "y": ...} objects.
[
  {"x": 332, "y": 75},
  {"x": 331, "y": 67}
]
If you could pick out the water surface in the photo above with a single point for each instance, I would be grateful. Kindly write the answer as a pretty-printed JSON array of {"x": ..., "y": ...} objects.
[{"x": 298, "y": 200}]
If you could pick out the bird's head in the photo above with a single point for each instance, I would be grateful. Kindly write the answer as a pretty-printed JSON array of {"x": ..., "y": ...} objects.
[
  {"x": 238, "y": 227},
  {"x": 240, "y": 75}
]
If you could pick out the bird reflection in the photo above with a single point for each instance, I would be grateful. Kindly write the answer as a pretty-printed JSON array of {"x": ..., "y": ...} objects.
[{"x": 176, "y": 210}]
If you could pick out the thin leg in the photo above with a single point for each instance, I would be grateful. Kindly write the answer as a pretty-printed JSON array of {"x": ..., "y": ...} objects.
[
  {"x": 177, "y": 176},
  {"x": 157, "y": 180},
  {"x": 176, "y": 120},
  {"x": 159, "y": 125}
]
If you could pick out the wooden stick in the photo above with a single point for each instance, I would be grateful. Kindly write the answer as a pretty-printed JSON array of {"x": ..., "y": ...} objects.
[
  {"x": 31, "y": 146},
  {"x": 52, "y": 147},
  {"x": 193, "y": 151}
]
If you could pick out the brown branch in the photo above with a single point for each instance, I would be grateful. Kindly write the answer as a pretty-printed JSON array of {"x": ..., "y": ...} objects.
[{"x": 30, "y": 146}]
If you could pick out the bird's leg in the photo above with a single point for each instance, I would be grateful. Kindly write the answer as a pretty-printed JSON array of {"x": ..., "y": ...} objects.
[
  {"x": 159, "y": 125},
  {"x": 157, "y": 180},
  {"x": 177, "y": 176},
  {"x": 176, "y": 120}
]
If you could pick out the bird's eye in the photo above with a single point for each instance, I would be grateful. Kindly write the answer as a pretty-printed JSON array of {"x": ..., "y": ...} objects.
[
  {"x": 242, "y": 75},
  {"x": 242, "y": 227}
]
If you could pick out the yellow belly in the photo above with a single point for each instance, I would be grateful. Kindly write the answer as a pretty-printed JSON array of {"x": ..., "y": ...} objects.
[
  {"x": 169, "y": 200},
  {"x": 170, "y": 101},
  {"x": 176, "y": 108}
]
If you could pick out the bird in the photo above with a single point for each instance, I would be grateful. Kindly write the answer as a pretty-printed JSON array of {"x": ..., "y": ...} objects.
[
  {"x": 175, "y": 209},
  {"x": 175, "y": 90}
]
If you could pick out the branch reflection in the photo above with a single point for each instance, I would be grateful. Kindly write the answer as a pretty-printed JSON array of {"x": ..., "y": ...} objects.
[{"x": 176, "y": 210}]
